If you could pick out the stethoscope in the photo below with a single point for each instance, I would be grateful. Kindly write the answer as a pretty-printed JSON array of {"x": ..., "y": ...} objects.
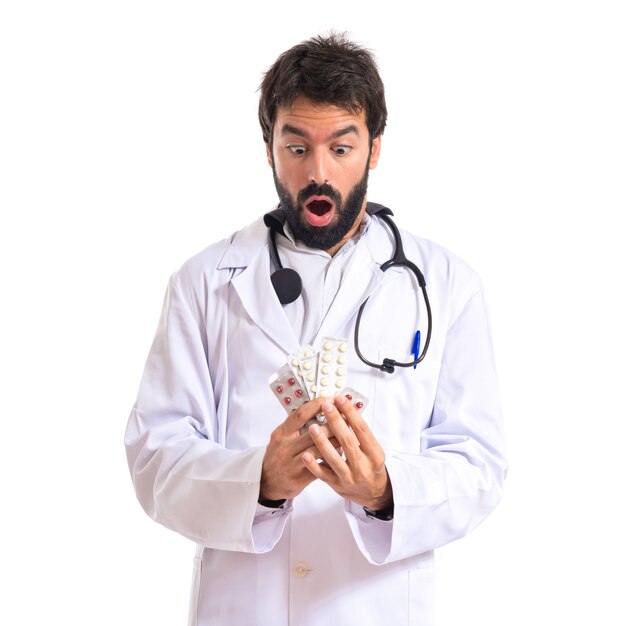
[{"x": 288, "y": 284}]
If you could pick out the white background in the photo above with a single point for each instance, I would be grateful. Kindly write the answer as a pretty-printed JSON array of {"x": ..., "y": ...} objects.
[{"x": 129, "y": 141}]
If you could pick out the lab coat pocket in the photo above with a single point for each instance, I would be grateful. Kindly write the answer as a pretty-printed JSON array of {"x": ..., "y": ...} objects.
[
  {"x": 403, "y": 402},
  {"x": 195, "y": 591}
]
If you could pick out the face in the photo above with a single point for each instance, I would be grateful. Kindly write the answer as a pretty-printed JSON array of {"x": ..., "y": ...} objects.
[{"x": 321, "y": 156}]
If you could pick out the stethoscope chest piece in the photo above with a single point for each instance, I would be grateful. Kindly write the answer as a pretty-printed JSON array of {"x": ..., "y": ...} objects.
[{"x": 287, "y": 284}]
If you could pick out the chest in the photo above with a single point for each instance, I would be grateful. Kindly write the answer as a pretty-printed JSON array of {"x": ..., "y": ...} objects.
[{"x": 399, "y": 404}]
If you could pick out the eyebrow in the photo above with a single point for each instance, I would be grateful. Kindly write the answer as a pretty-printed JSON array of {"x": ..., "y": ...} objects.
[{"x": 294, "y": 130}]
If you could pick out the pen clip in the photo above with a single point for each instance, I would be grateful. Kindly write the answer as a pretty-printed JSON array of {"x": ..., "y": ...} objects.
[{"x": 415, "y": 349}]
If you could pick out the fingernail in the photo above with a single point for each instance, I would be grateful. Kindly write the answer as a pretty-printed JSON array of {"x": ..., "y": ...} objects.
[
  {"x": 327, "y": 406},
  {"x": 340, "y": 399},
  {"x": 314, "y": 429}
]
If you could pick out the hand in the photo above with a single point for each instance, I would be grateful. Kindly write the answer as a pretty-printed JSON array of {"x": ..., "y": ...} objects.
[
  {"x": 360, "y": 474},
  {"x": 283, "y": 475}
]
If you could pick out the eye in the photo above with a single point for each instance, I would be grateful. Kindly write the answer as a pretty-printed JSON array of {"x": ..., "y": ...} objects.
[
  {"x": 342, "y": 149},
  {"x": 296, "y": 149}
]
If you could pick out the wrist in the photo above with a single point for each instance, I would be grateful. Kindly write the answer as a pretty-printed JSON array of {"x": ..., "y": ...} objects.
[
  {"x": 271, "y": 504},
  {"x": 385, "y": 514},
  {"x": 382, "y": 507}
]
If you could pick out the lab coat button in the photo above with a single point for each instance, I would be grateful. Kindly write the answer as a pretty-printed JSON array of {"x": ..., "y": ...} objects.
[{"x": 301, "y": 570}]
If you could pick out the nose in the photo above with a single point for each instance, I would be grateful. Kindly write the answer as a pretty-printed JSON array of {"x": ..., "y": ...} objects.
[{"x": 318, "y": 167}]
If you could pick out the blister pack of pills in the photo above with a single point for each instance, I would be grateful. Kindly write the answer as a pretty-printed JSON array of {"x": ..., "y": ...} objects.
[
  {"x": 308, "y": 370},
  {"x": 295, "y": 362},
  {"x": 332, "y": 367},
  {"x": 309, "y": 374},
  {"x": 359, "y": 401},
  {"x": 288, "y": 389}
]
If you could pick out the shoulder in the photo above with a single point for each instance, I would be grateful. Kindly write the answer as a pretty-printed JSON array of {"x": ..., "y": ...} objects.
[
  {"x": 450, "y": 281},
  {"x": 215, "y": 261},
  {"x": 438, "y": 264}
]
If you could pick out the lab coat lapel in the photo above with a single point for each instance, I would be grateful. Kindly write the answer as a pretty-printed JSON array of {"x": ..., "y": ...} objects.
[
  {"x": 255, "y": 290},
  {"x": 361, "y": 281}
]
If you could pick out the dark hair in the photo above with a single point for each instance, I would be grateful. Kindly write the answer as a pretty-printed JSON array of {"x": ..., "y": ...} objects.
[{"x": 325, "y": 70}]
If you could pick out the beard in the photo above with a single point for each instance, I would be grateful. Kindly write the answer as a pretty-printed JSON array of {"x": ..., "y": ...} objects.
[{"x": 322, "y": 237}]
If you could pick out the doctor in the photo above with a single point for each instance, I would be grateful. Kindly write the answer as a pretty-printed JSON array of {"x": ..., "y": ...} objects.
[{"x": 335, "y": 523}]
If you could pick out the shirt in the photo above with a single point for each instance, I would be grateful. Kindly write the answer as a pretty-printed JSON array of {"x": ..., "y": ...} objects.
[{"x": 322, "y": 277}]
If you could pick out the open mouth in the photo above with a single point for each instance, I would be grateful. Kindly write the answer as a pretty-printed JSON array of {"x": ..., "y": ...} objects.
[
  {"x": 319, "y": 211},
  {"x": 319, "y": 207}
]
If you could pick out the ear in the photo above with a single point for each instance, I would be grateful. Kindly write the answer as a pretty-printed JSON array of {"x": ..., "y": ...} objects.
[
  {"x": 375, "y": 153},
  {"x": 268, "y": 151}
]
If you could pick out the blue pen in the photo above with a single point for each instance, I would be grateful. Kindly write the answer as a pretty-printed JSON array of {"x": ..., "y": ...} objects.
[{"x": 416, "y": 347}]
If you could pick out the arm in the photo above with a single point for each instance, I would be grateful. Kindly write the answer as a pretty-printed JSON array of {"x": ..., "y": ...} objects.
[
  {"x": 445, "y": 491},
  {"x": 184, "y": 476}
]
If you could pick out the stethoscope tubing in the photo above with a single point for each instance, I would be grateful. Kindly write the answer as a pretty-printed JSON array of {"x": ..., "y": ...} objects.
[
  {"x": 397, "y": 260},
  {"x": 287, "y": 284}
]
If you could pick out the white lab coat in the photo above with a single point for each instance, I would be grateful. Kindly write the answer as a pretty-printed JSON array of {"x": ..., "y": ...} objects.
[{"x": 204, "y": 413}]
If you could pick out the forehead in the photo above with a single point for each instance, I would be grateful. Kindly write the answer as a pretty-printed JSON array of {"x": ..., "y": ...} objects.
[{"x": 311, "y": 116}]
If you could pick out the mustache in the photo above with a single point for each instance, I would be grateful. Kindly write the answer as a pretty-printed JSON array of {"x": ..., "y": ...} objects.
[{"x": 314, "y": 189}]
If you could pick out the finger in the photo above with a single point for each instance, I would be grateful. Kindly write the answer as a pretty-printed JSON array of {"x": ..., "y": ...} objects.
[
  {"x": 298, "y": 418},
  {"x": 330, "y": 450},
  {"x": 313, "y": 449},
  {"x": 305, "y": 442},
  {"x": 319, "y": 470},
  {"x": 357, "y": 424},
  {"x": 340, "y": 428}
]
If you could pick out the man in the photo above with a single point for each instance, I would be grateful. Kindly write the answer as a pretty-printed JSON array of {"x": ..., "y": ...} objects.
[{"x": 300, "y": 520}]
